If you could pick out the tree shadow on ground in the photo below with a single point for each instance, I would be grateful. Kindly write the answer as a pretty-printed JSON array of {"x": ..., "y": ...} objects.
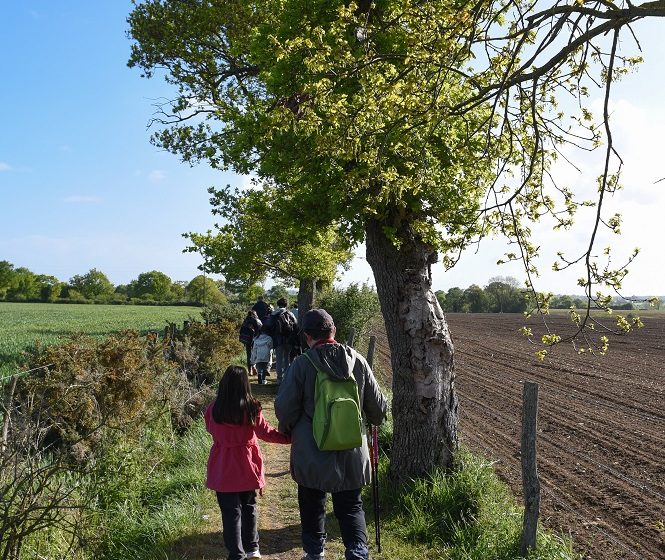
[
  {"x": 280, "y": 540},
  {"x": 210, "y": 545}
]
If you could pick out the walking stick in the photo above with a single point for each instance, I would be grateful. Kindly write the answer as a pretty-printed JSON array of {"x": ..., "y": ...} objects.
[{"x": 374, "y": 458}]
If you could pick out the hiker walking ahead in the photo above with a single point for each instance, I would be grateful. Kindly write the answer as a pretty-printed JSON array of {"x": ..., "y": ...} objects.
[
  {"x": 342, "y": 473},
  {"x": 249, "y": 330},
  {"x": 235, "y": 464},
  {"x": 261, "y": 307},
  {"x": 283, "y": 328},
  {"x": 262, "y": 354}
]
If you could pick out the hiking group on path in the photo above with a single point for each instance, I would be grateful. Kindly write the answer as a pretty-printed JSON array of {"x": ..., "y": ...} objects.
[
  {"x": 327, "y": 395},
  {"x": 268, "y": 332}
]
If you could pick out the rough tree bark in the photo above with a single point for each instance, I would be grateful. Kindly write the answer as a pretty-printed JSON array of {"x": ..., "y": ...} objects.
[
  {"x": 425, "y": 406},
  {"x": 306, "y": 295}
]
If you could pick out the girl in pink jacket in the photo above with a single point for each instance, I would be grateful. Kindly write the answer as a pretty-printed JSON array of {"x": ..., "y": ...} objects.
[{"x": 235, "y": 464}]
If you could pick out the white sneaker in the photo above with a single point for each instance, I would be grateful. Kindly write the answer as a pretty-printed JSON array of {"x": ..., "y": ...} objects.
[
  {"x": 314, "y": 556},
  {"x": 254, "y": 554}
]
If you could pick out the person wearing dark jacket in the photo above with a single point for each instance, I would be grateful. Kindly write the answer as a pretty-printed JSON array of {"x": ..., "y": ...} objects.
[
  {"x": 249, "y": 330},
  {"x": 282, "y": 342},
  {"x": 341, "y": 473},
  {"x": 262, "y": 308}
]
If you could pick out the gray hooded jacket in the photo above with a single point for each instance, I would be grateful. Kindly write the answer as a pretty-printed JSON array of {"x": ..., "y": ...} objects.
[{"x": 329, "y": 471}]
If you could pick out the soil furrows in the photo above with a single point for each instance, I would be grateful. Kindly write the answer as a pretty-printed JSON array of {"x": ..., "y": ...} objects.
[
  {"x": 591, "y": 429},
  {"x": 590, "y": 489},
  {"x": 601, "y": 444},
  {"x": 585, "y": 470},
  {"x": 585, "y": 448},
  {"x": 571, "y": 376},
  {"x": 612, "y": 395}
]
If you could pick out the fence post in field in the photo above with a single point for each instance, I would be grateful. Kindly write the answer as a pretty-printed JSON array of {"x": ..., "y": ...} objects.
[
  {"x": 370, "y": 351},
  {"x": 7, "y": 415},
  {"x": 167, "y": 332},
  {"x": 185, "y": 326},
  {"x": 530, "y": 482},
  {"x": 352, "y": 337}
]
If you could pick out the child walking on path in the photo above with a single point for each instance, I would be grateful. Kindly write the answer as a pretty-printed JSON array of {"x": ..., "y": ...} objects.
[
  {"x": 262, "y": 354},
  {"x": 235, "y": 465}
]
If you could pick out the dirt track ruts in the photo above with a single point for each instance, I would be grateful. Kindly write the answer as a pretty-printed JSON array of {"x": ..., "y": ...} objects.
[{"x": 601, "y": 428}]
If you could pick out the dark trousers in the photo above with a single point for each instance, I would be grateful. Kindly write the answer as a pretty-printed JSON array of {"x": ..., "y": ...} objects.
[
  {"x": 282, "y": 353},
  {"x": 248, "y": 350},
  {"x": 348, "y": 509},
  {"x": 262, "y": 370},
  {"x": 239, "y": 522}
]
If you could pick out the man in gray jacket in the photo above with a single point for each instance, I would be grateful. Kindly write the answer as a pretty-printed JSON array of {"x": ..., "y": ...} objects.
[{"x": 342, "y": 473}]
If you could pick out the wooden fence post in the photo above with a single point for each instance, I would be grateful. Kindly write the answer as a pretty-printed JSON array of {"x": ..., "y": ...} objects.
[
  {"x": 370, "y": 351},
  {"x": 530, "y": 482},
  {"x": 8, "y": 414}
]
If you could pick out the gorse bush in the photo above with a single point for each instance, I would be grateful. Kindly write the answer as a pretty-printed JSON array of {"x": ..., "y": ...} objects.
[
  {"x": 85, "y": 386},
  {"x": 204, "y": 352},
  {"x": 95, "y": 445},
  {"x": 226, "y": 311}
]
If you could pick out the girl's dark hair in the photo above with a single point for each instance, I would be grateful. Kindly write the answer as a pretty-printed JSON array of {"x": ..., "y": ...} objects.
[{"x": 234, "y": 403}]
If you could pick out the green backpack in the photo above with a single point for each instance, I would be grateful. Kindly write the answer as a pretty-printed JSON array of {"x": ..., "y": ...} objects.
[{"x": 337, "y": 424}]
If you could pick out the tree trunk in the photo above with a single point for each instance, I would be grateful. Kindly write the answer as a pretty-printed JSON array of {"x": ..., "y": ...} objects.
[
  {"x": 306, "y": 295},
  {"x": 424, "y": 407}
]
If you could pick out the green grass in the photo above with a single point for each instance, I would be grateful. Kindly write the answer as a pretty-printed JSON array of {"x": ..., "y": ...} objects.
[
  {"x": 23, "y": 324},
  {"x": 139, "y": 498},
  {"x": 166, "y": 500},
  {"x": 468, "y": 514}
]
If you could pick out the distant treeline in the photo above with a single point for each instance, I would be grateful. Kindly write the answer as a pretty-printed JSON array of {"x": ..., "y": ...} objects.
[
  {"x": 150, "y": 288},
  {"x": 504, "y": 295}
]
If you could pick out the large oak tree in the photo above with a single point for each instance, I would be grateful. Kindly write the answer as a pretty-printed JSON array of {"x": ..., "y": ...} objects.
[{"x": 416, "y": 127}]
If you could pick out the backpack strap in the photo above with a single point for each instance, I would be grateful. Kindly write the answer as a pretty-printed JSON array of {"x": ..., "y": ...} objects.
[{"x": 306, "y": 354}]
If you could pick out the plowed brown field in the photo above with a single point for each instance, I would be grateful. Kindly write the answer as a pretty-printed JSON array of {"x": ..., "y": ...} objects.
[{"x": 601, "y": 428}]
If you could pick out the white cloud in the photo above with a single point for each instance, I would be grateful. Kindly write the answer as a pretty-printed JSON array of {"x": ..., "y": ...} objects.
[
  {"x": 156, "y": 176},
  {"x": 5, "y": 166},
  {"x": 82, "y": 199}
]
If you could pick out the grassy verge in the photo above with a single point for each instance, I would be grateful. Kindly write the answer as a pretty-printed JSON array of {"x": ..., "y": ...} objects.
[
  {"x": 165, "y": 504},
  {"x": 137, "y": 500},
  {"x": 468, "y": 514}
]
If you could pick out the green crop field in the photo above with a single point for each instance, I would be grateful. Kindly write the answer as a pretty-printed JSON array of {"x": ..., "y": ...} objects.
[{"x": 22, "y": 324}]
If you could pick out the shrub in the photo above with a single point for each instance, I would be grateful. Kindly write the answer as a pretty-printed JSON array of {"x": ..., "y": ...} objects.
[
  {"x": 84, "y": 385},
  {"x": 351, "y": 308},
  {"x": 226, "y": 311},
  {"x": 204, "y": 352}
]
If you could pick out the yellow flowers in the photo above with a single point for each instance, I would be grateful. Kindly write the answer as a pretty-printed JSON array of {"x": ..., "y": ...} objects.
[
  {"x": 526, "y": 331},
  {"x": 550, "y": 339}
]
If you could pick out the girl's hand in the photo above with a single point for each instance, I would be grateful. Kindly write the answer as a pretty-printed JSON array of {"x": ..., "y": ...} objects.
[{"x": 261, "y": 492}]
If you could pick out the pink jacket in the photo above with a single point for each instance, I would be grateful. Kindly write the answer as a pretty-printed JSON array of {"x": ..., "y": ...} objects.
[{"x": 235, "y": 463}]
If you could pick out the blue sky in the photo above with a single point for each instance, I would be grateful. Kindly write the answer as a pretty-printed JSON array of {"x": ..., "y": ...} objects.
[{"x": 82, "y": 187}]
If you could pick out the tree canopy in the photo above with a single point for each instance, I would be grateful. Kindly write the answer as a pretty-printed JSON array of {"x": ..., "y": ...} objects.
[
  {"x": 92, "y": 284},
  {"x": 439, "y": 120},
  {"x": 259, "y": 237}
]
